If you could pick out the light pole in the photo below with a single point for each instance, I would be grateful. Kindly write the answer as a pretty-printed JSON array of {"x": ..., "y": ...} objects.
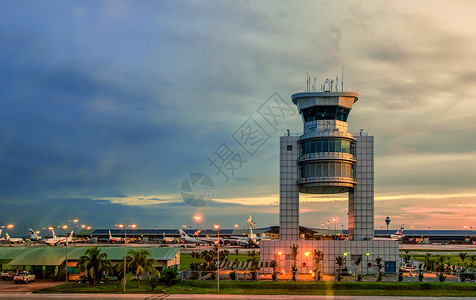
[
  {"x": 217, "y": 227},
  {"x": 64, "y": 227},
  {"x": 75, "y": 221},
  {"x": 125, "y": 244},
  {"x": 197, "y": 219},
  {"x": 335, "y": 227}
]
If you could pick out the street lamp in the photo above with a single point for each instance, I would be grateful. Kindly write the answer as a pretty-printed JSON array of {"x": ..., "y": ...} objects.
[
  {"x": 125, "y": 243},
  {"x": 335, "y": 227},
  {"x": 75, "y": 221},
  {"x": 217, "y": 227},
  {"x": 64, "y": 227},
  {"x": 197, "y": 219}
]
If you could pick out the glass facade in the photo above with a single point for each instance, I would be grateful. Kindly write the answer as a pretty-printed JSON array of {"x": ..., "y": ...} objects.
[
  {"x": 327, "y": 169},
  {"x": 327, "y": 145},
  {"x": 325, "y": 112}
]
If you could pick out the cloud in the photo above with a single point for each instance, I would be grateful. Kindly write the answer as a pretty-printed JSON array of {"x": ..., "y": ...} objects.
[{"x": 117, "y": 102}]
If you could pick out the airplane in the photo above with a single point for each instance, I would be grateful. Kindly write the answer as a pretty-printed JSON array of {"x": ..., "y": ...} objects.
[
  {"x": 393, "y": 237},
  {"x": 114, "y": 239},
  {"x": 1, "y": 238},
  {"x": 13, "y": 240},
  {"x": 189, "y": 239},
  {"x": 252, "y": 240},
  {"x": 34, "y": 236},
  {"x": 59, "y": 240}
]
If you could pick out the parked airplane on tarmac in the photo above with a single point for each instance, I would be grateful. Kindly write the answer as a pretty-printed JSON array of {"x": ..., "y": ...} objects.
[
  {"x": 113, "y": 240},
  {"x": 252, "y": 240},
  {"x": 59, "y": 240},
  {"x": 34, "y": 236},
  {"x": 13, "y": 240},
  {"x": 188, "y": 239},
  {"x": 393, "y": 237}
]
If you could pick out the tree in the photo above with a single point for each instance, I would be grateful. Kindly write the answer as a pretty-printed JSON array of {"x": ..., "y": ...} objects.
[
  {"x": 463, "y": 256},
  {"x": 94, "y": 261},
  {"x": 139, "y": 261},
  {"x": 473, "y": 260},
  {"x": 440, "y": 260},
  {"x": 318, "y": 256},
  {"x": 357, "y": 262},
  {"x": 340, "y": 260},
  {"x": 295, "y": 252},
  {"x": 378, "y": 261},
  {"x": 427, "y": 261},
  {"x": 274, "y": 264}
]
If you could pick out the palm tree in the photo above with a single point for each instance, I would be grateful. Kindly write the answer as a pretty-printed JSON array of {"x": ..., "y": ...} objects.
[
  {"x": 473, "y": 260},
  {"x": 441, "y": 263},
  {"x": 378, "y": 260},
  {"x": 94, "y": 261},
  {"x": 274, "y": 264},
  {"x": 427, "y": 261},
  {"x": 340, "y": 260},
  {"x": 295, "y": 252},
  {"x": 318, "y": 256},
  {"x": 463, "y": 256},
  {"x": 139, "y": 261},
  {"x": 357, "y": 262}
]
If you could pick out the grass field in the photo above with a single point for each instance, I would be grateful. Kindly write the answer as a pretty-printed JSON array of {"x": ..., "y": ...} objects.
[
  {"x": 186, "y": 259},
  {"x": 454, "y": 259},
  {"x": 327, "y": 288},
  {"x": 113, "y": 287},
  {"x": 285, "y": 288}
]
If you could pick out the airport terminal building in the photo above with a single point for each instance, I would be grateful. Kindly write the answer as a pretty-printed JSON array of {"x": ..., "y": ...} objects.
[{"x": 327, "y": 159}]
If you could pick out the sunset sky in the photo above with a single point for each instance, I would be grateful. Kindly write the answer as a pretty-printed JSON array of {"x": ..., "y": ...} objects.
[{"x": 105, "y": 107}]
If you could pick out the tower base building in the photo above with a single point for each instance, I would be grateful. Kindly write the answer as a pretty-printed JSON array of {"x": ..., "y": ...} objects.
[{"x": 327, "y": 159}]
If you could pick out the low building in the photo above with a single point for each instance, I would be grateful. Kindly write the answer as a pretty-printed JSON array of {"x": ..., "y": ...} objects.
[{"x": 49, "y": 262}]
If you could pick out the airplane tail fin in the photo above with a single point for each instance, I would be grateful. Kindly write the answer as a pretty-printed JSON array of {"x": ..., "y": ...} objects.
[
  {"x": 1, "y": 231},
  {"x": 71, "y": 234},
  {"x": 33, "y": 234},
  {"x": 7, "y": 235},
  {"x": 54, "y": 234},
  {"x": 110, "y": 236},
  {"x": 182, "y": 233}
]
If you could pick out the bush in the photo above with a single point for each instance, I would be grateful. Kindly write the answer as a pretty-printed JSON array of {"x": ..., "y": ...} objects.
[
  {"x": 400, "y": 276},
  {"x": 154, "y": 282},
  {"x": 380, "y": 276},
  {"x": 232, "y": 275},
  {"x": 359, "y": 277},
  {"x": 441, "y": 277},
  {"x": 275, "y": 276},
  {"x": 169, "y": 275},
  {"x": 420, "y": 277}
]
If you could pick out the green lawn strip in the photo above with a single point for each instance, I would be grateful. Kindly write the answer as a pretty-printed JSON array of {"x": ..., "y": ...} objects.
[
  {"x": 325, "y": 288},
  {"x": 113, "y": 287},
  {"x": 454, "y": 259},
  {"x": 282, "y": 288},
  {"x": 186, "y": 259}
]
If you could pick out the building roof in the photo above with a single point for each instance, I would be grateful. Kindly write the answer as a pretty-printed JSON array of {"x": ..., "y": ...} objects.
[{"x": 55, "y": 256}]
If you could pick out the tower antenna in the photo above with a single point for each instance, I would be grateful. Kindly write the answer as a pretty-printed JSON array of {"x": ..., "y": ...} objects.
[
  {"x": 337, "y": 83},
  {"x": 342, "y": 79}
]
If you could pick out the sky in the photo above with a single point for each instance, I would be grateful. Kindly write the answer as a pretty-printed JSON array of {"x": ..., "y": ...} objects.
[{"x": 107, "y": 107}]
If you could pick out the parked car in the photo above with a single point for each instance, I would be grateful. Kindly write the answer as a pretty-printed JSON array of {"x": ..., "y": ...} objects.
[
  {"x": 8, "y": 274},
  {"x": 24, "y": 276}
]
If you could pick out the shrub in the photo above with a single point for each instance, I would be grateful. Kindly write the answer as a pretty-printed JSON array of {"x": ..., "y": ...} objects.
[
  {"x": 232, "y": 275},
  {"x": 441, "y": 277},
  {"x": 420, "y": 277},
  {"x": 400, "y": 276},
  {"x": 359, "y": 277},
  {"x": 169, "y": 275},
  {"x": 154, "y": 282}
]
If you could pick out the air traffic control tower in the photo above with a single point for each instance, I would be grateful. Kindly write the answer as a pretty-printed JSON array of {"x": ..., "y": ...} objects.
[{"x": 327, "y": 159}]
